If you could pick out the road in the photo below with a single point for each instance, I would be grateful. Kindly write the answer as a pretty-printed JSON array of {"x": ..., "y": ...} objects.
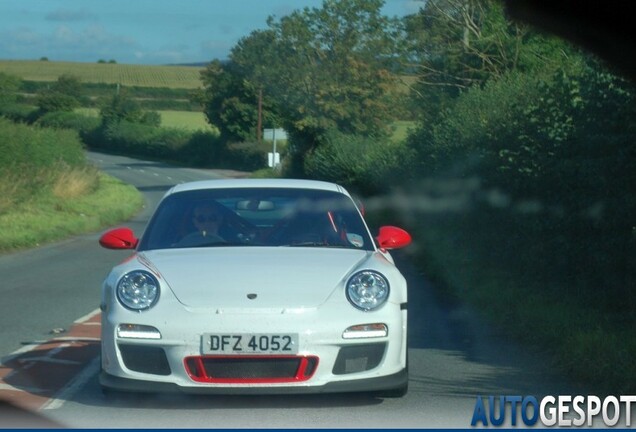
[{"x": 51, "y": 294}]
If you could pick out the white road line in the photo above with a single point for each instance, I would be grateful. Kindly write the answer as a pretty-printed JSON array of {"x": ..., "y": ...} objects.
[
  {"x": 49, "y": 357},
  {"x": 76, "y": 339},
  {"x": 20, "y": 351},
  {"x": 44, "y": 359},
  {"x": 87, "y": 316},
  {"x": 68, "y": 391},
  {"x": 5, "y": 386}
]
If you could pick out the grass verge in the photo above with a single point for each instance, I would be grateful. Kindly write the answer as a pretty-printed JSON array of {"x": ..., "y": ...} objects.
[
  {"x": 56, "y": 213},
  {"x": 478, "y": 261}
]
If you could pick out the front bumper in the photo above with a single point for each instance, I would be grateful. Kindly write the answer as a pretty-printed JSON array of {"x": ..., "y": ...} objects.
[
  {"x": 389, "y": 382},
  {"x": 342, "y": 365}
]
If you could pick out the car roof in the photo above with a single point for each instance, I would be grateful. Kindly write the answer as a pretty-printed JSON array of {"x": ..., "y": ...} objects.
[{"x": 257, "y": 183}]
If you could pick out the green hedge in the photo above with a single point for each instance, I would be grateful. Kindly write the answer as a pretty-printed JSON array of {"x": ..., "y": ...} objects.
[
  {"x": 31, "y": 148},
  {"x": 364, "y": 165},
  {"x": 69, "y": 120}
]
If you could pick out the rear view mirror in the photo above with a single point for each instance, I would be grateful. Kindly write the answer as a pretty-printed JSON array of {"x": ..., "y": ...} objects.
[
  {"x": 255, "y": 205},
  {"x": 119, "y": 238},
  {"x": 391, "y": 237}
]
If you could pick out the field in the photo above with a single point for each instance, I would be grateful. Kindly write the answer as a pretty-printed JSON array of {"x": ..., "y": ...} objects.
[
  {"x": 177, "y": 77},
  {"x": 188, "y": 120}
]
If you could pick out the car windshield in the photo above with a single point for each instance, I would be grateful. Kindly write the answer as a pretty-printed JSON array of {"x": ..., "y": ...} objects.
[{"x": 256, "y": 217}]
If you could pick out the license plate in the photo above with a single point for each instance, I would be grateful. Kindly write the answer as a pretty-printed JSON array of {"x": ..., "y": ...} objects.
[{"x": 249, "y": 343}]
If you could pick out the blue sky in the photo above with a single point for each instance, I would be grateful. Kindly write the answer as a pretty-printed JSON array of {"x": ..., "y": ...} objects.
[{"x": 141, "y": 31}]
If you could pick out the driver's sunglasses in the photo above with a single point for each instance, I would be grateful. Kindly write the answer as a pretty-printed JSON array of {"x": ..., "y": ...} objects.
[{"x": 207, "y": 218}]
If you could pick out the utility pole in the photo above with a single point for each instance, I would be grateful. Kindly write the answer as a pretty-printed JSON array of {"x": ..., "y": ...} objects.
[{"x": 259, "y": 126}]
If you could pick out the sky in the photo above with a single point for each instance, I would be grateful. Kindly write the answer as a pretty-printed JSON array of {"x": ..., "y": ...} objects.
[{"x": 141, "y": 31}]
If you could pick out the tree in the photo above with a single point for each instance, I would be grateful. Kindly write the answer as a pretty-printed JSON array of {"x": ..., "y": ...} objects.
[
  {"x": 326, "y": 68},
  {"x": 231, "y": 102},
  {"x": 457, "y": 44},
  {"x": 121, "y": 108},
  {"x": 64, "y": 95},
  {"x": 319, "y": 69}
]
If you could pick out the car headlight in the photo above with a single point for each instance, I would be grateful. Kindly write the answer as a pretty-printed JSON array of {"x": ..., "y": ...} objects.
[
  {"x": 138, "y": 290},
  {"x": 367, "y": 290}
]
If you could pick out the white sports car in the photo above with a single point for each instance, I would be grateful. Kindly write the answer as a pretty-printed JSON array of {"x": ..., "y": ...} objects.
[{"x": 255, "y": 286}]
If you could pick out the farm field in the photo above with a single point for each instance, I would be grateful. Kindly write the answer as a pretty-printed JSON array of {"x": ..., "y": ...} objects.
[
  {"x": 188, "y": 120},
  {"x": 177, "y": 77}
]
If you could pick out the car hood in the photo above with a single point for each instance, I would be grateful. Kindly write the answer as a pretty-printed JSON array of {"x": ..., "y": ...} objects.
[{"x": 280, "y": 277}]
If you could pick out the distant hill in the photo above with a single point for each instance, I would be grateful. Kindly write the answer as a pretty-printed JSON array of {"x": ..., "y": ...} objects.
[{"x": 177, "y": 76}]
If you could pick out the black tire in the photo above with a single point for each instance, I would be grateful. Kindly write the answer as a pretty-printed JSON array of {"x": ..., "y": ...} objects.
[{"x": 395, "y": 393}]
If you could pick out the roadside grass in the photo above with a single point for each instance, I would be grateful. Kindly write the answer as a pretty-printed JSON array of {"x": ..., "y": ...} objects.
[
  {"x": 94, "y": 201},
  {"x": 265, "y": 173},
  {"x": 75, "y": 183},
  {"x": 469, "y": 259}
]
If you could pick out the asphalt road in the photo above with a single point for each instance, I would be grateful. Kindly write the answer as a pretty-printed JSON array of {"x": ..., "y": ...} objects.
[{"x": 453, "y": 355}]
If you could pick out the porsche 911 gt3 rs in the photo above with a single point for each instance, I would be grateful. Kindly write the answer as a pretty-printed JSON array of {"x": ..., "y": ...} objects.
[{"x": 255, "y": 286}]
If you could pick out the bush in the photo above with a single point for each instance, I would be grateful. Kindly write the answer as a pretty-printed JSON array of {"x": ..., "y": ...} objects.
[
  {"x": 139, "y": 139},
  {"x": 32, "y": 158},
  {"x": 19, "y": 113},
  {"x": 362, "y": 164},
  {"x": 204, "y": 149},
  {"x": 69, "y": 120},
  {"x": 36, "y": 148}
]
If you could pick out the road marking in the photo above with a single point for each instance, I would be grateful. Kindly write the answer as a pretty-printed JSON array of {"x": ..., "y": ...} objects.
[
  {"x": 46, "y": 359},
  {"x": 76, "y": 339},
  {"x": 21, "y": 351},
  {"x": 45, "y": 373},
  {"x": 87, "y": 317},
  {"x": 68, "y": 391},
  {"x": 4, "y": 386}
]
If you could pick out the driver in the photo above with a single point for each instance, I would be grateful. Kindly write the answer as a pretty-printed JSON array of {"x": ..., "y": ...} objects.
[{"x": 207, "y": 219}]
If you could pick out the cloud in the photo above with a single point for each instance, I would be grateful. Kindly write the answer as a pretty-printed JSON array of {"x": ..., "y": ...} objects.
[
  {"x": 212, "y": 49},
  {"x": 64, "y": 42},
  {"x": 66, "y": 15}
]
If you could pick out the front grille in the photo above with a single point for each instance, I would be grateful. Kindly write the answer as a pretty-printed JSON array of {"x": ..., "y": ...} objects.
[
  {"x": 145, "y": 359},
  {"x": 358, "y": 358},
  {"x": 250, "y": 369}
]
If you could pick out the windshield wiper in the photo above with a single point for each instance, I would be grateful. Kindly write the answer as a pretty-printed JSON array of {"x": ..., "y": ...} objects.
[{"x": 314, "y": 244}]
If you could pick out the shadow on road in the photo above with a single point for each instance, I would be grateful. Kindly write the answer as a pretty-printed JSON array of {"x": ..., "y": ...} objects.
[{"x": 454, "y": 351}]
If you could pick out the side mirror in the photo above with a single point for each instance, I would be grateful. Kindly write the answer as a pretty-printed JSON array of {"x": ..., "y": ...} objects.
[
  {"x": 119, "y": 238},
  {"x": 391, "y": 237}
]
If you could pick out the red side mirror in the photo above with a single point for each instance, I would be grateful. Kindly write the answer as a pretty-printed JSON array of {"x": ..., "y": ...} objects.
[
  {"x": 391, "y": 237},
  {"x": 119, "y": 238}
]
